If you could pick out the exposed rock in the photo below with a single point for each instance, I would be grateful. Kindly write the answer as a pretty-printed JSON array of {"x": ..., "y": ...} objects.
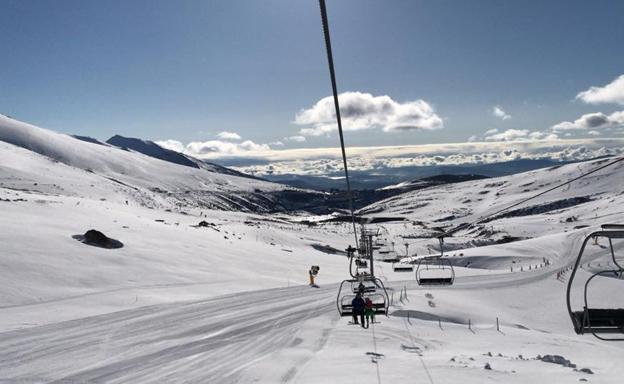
[{"x": 98, "y": 239}]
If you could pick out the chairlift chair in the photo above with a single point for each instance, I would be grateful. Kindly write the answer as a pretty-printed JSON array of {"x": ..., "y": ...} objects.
[
  {"x": 368, "y": 285},
  {"x": 361, "y": 263},
  {"x": 378, "y": 295},
  {"x": 434, "y": 271},
  {"x": 595, "y": 320},
  {"x": 402, "y": 267}
]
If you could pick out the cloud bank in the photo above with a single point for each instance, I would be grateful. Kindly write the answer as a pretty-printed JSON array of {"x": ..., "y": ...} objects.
[
  {"x": 327, "y": 161},
  {"x": 514, "y": 135},
  {"x": 361, "y": 111},
  {"x": 214, "y": 148}
]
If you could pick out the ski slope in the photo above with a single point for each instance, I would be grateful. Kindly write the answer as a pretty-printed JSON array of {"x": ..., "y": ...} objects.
[
  {"x": 127, "y": 174},
  {"x": 229, "y": 302}
]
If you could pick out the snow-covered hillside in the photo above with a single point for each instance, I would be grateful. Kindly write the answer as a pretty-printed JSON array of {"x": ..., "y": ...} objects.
[
  {"x": 592, "y": 200},
  {"x": 228, "y": 301},
  {"x": 136, "y": 177}
]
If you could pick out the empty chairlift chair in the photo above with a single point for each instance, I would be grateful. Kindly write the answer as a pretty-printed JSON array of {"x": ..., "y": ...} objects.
[
  {"x": 599, "y": 320},
  {"x": 434, "y": 271},
  {"x": 402, "y": 267}
]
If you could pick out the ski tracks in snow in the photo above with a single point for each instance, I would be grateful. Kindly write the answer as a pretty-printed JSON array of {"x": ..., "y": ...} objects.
[{"x": 205, "y": 341}]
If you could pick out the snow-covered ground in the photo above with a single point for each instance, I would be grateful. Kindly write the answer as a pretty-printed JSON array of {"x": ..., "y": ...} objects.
[{"x": 229, "y": 302}]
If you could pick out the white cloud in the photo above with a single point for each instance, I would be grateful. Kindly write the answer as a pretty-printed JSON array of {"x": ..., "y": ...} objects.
[
  {"x": 593, "y": 133},
  {"x": 364, "y": 111},
  {"x": 499, "y": 112},
  {"x": 518, "y": 135},
  {"x": 508, "y": 135},
  {"x": 298, "y": 139},
  {"x": 537, "y": 135},
  {"x": 612, "y": 93},
  {"x": 174, "y": 145},
  {"x": 225, "y": 135},
  {"x": 214, "y": 148},
  {"x": 596, "y": 120}
]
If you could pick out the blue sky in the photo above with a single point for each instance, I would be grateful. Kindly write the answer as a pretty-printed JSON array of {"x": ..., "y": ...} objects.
[{"x": 187, "y": 70}]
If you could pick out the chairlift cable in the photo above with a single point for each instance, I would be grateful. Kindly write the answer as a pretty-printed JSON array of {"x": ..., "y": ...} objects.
[
  {"x": 332, "y": 74},
  {"x": 481, "y": 219}
]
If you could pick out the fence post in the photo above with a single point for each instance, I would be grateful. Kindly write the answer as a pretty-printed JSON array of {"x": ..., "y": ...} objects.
[
  {"x": 497, "y": 327},
  {"x": 469, "y": 325},
  {"x": 439, "y": 323}
]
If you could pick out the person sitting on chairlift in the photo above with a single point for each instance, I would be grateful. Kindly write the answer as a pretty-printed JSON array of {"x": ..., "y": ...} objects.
[
  {"x": 369, "y": 312},
  {"x": 358, "y": 306}
]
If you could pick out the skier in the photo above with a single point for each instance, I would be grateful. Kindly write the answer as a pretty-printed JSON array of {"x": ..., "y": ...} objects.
[
  {"x": 358, "y": 305},
  {"x": 369, "y": 312}
]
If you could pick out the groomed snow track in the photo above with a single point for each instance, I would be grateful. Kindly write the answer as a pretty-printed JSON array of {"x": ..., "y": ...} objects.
[
  {"x": 212, "y": 340},
  {"x": 203, "y": 341}
]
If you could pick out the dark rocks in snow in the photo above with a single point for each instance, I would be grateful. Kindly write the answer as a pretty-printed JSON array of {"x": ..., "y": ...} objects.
[
  {"x": 95, "y": 237},
  {"x": 98, "y": 239},
  {"x": 487, "y": 366},
  {"x": 556, "y": 359}
]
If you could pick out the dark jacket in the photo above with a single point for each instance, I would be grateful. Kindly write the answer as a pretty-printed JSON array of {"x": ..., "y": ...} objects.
[{"x": 358, "y": 305}]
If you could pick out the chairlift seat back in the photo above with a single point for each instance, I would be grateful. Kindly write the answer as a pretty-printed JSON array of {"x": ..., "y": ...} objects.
[
  {"x": 403, "y": 268},
  {"x": 599, "y": 320}
]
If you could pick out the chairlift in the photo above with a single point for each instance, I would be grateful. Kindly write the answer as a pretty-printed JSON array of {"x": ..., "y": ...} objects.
[
  {"x": 434, "y": 270},
  {"x": 363, "y": 286},
  {"x": 344, "y": 299},
  {"x": 361, "y": 263},
  {"x": 377, "y": 294},
  {"x": 402, "y": 267},
  {"x": 593, "y": 319}
]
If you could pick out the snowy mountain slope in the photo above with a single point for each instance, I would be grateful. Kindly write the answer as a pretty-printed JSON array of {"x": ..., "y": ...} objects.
[
  {"x": 165, "y": 256},
  {"x": 228, "y": 302},
  {"x": 154, "y": 150},
  {"x": 160, "y": 183},
  {"x": 184, "y": 304},
  {"x": 433, "y": 181},
  {"x": 588, "y": 201}
]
